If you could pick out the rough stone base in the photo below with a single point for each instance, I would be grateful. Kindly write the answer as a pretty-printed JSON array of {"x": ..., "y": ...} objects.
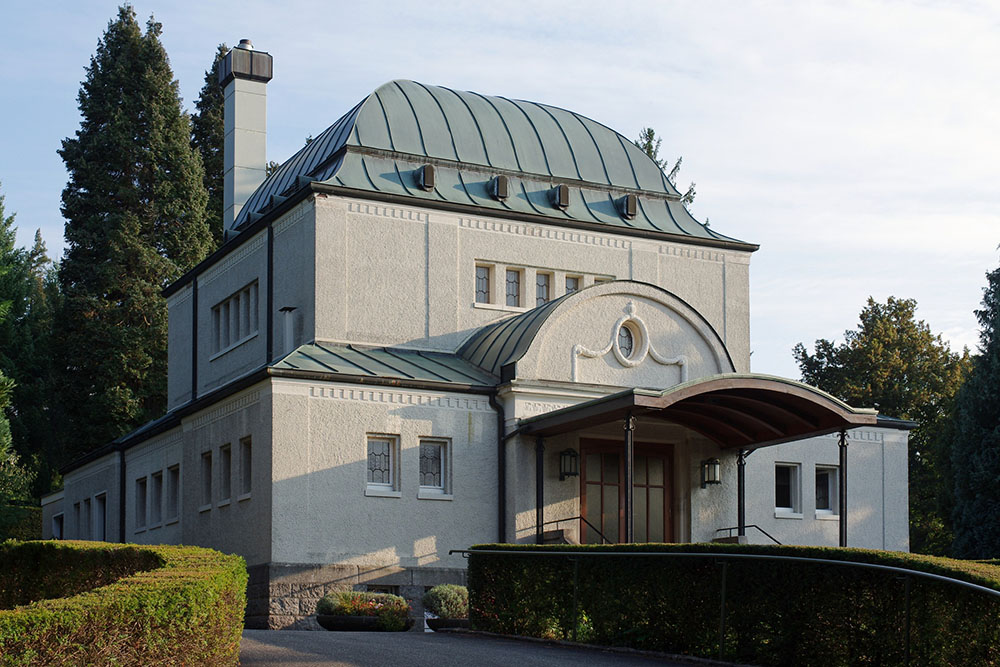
[{"x": 284, "y": 596}]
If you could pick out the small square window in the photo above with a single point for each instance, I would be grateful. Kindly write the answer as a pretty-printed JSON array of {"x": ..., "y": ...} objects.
[
  {"x": 543, "y": 288},
  {"x": 572, "y": 284},
  {"x": 787, "y": 494},
  {"x": 482, "y": 284},
  {"x": 435, "y": 467},
  {"x": 140, "y": 504},
  {"x": 513, "y": 287},
  {"x": 383, "y": 465},
  {"x": 827, "y": 488}
]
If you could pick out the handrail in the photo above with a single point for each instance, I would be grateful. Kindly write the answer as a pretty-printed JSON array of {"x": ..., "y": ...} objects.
[
  {"x": 604, "y": 540},
  {"x": 726, "y": 556},
  {"x": 751, "y": 525}
]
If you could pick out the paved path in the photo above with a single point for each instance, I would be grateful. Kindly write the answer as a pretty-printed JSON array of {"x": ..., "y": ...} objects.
[{"x": 416, "y": 649}]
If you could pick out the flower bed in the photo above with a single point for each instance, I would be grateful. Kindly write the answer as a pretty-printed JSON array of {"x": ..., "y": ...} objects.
[{"x": 390, "y": 612}]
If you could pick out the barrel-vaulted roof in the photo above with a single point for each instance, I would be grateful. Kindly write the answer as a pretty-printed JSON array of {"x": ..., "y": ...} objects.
[{"x": 381, "y": 145}]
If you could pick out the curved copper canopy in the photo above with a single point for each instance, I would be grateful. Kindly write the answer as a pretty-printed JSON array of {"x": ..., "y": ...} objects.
[{"x": 732, "y": 410}]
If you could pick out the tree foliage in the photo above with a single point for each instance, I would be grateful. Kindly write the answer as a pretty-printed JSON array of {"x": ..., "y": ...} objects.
[
  {"x": 208, "y": 138},
  {"x": 894, "y": 363},
  {"x": 975, "y": 448},
  {"x": 650, "y": 144},
  {"x": 135, "y": 221}
]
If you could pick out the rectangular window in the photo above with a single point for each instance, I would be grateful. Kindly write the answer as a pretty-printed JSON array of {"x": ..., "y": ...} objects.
[
  {"x": 140, "y": 504},
  {"x": 482, "y": 284},
  {"x": 225, "y": 472},
  {"x": 206, "y": 480},
  {"x": 543, "y": 288},
  {"x": 77, "y": 526},
  {"x": 786, "y": 488},
  {"x": 246, "y": 466},
  {"x": 827, "y": 487},
  {"x": 173, "y": 492},
  {"x": 234, "y": 320},
  {"x": 57, "y": 527},
  {"x": 572, "y": 284},
  {"x": 156, "y": 499},
  {"x": 101, "y": 518},
  {"x": 434, "y": 467},
  {"x": 383, "y": 466},
  {"x": 513, "y": 287},
  {"x": 86, "y": 519}
]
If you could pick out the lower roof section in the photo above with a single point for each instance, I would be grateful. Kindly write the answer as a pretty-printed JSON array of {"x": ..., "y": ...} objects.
[{"x": 735, "y": 411}]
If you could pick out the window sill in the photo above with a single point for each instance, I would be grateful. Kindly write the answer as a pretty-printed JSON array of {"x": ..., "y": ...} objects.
[
  {"x": 497, "y": 306},
  {"x": 205, "y": 508},
  {"x": 233, "y": 346},
  {"x": 222, "y": 503},
  {"x": 376, "y": 492},
  {"x": 241, "y": 498},
  {"x": 779, "y": 514},
  {"x": 170, "y": 522},
  {"x": 825, "y": 515},
  {"x": 434, "y": 494},
  {"x": 137, "y": 531},
  {"x": 156, "y": 525}
]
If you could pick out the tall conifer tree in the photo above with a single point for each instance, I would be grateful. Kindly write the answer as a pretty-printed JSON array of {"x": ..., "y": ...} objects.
[
  {"x": 975, "y": 450},
  {"x": 208, "y": 137},
  {"x": 135, "y": 221}
]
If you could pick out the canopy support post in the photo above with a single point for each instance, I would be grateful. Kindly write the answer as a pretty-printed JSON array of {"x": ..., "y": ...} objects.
[
  {"x": 539, "y": 488},
  {"x": 842, "y": 495},
  {"x": 741, "y": 494},
  {"x": 629, "y": 470}
]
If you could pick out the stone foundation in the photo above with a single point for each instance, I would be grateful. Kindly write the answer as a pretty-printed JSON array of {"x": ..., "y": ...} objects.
[{"x": 284, "y": 596}]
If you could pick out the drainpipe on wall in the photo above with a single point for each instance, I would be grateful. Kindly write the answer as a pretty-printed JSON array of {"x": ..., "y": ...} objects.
[
  {"x": 501, "y": 469},
  {"x": 121, "y": 493}
]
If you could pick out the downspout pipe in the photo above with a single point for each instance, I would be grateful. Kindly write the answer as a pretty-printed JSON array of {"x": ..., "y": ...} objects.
[
  {"x": 501, "y": 468},
  {"x": 121, "y": 494}
]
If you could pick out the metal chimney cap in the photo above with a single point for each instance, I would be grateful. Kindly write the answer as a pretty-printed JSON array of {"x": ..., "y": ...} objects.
[{"x": 245, "y": 44}]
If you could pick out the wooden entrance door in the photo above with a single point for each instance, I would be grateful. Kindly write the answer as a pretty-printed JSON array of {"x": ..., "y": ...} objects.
[{"x": 602, "y": 497}]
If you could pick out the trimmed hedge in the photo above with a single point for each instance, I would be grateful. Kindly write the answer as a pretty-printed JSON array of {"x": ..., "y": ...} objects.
[
  {"x": 20, "y": 522},
  {"x": 776, "y": 612},
  {"x": 152, "y": 605}
]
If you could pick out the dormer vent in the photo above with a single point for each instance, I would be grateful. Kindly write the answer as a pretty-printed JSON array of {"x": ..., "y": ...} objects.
[
  {"x": 500, "y": 187},
  {"x": 425, "y": 177},
  {"x": 627, "y": 206},
  {"x": 560, "y": 196}
]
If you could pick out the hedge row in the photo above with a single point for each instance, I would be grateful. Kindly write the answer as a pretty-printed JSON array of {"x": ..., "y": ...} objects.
[
  {"x": 20, "y": 522},
  {"x": 153, "y": 605},
  {"x": 776, "y": 612}
]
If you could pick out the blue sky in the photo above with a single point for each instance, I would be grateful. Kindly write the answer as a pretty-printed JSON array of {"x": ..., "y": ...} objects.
[{"x": 857, "y": 142}]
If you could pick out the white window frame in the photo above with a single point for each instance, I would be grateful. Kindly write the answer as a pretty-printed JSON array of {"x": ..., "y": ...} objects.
[
  {"x": 795, "y": 491},
  {"x": 489, "y": 268},
  {"x": 382, "y": 489},
  {"x": 519, "y": 274},
  {"x": 833, "y": 491},
  {"x": 444, "y": 491}
]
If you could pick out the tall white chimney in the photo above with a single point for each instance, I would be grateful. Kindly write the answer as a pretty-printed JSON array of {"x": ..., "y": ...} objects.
[{"x": 243, "y": 75}]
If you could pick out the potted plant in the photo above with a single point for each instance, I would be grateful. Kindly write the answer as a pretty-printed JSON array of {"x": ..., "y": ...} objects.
[
  {"x": 450, "y": 606},
  {"x": 354, "y": 610}
]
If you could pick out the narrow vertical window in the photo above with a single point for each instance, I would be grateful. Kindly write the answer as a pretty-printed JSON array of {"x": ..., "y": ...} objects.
[
  {"x": 101, "y": 517},
  {"x": 206, "y": 480},
  {"x": 173, "y": 492},
  {"x": 57, "y": 527},
  {"x": 572, "y": 284},
  {"x": 156, "y": 499},
  {"x": 787, "y": 496},
  {"x": 383, "y": 467},
  {"x": 482, "y": 284},
  {"x": 77, "y": 526},
  {"x": 827, "y": 487},
  {"x": 246, "y": 466},
  {"x": 513, "y": 287},
  {"x": 86, "y": 519},
  {"x": 225, "y": 472},
  {"x": 140, "y": 504},
  {"x": 543, "y": 286}
]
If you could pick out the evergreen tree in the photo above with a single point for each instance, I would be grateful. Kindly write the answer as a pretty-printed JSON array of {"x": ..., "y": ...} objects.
[
  {"x": 135, "y": 221},
  {"x": 208, "y": 138},
  {"x": 11, "y": 269},
  {"x": 649, "y": 144},
  {"x": 894, "y": 363},
  {"x": 975, "y": 449}
]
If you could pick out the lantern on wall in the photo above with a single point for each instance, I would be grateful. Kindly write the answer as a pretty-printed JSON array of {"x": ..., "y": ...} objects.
[
  {"x": 569, "y": 464},
  {"x": 711, "y": 472}
]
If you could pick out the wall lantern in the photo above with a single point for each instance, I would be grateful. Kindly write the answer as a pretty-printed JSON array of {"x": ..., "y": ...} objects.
[
  {"x": 569, "y": 464},
  {"x": 711, "y": 472}
]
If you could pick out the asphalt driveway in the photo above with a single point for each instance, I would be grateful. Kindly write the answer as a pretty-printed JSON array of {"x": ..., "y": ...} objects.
[{"x": 415, "y": 649}]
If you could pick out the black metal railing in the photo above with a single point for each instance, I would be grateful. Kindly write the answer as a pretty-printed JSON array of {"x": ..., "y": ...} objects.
[
  {"x": 604, "y": 540},
  {"x": 751, "y": 525}
]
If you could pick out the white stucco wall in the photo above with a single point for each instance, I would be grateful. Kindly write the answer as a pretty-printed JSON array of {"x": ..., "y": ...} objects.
[{"x": 321, "y": 510}]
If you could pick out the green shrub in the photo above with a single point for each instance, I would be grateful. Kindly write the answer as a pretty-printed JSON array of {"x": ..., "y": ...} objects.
[
  {"x": 447, "y": 601},
  {"x": 20, "y": 522},
  {"x": 391, "y": 610},
  {"x": 126, "y": 604},
  {"x": 776, "y": 612}
]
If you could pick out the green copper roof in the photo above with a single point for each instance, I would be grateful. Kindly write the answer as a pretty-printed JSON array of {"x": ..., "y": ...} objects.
[{"x": 381, "y": 144}]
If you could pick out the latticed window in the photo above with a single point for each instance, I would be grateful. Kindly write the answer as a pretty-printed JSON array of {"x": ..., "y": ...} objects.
[
  {"x": 513, "y": 287},
  {"x": 381, "y": 455},
  {"x": 626, "y": 341},
  {"x": 542, "y": 288},
  {"x": 572, "y": 284},
  {"x": 432, "y": 470},
  {"x": 482, "y": 284}
]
